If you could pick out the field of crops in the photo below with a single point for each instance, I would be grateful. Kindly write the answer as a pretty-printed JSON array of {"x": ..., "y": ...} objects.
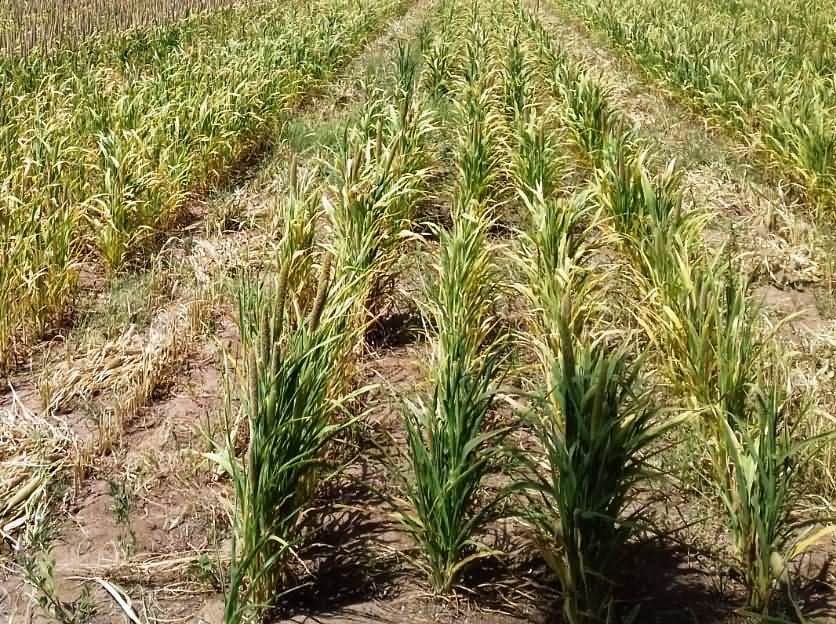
[
  {"x": 27, "y": 25},
  {"x": 391, "y": 311},
  {"x": 766, "y": 68},
  {"x": 101, "y": 148}
]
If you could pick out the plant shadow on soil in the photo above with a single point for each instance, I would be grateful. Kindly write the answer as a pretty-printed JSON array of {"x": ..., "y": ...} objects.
[
  {"x": 399, "y": 328},
  {"x": 657, "y": 585},
  {"x": 347, "y": 566},
  {"x": 664, "y": 581},
  {"x": 658, "y": 577},
  {"x": 519, "y": 585},
  {"x": 815, "y": 592}
]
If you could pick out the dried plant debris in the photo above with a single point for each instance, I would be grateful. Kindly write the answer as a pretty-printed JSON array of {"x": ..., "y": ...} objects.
[{"x": 33, "y": 450}]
